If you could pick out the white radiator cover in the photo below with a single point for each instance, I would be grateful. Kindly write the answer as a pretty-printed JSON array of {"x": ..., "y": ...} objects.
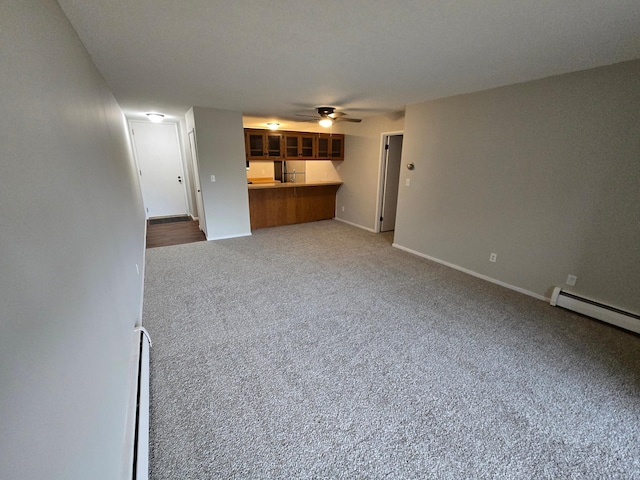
[
  {"x": 615, "y": 316},
  {"x": 136, "y": 447},
  {"x": 142, "y": 443}
]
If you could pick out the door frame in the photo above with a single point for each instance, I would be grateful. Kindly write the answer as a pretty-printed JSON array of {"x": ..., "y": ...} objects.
[
  {"x": 193, "y": 148},
  {"x": 131, "y": 123},
  {"x": 384, "y": 138}
]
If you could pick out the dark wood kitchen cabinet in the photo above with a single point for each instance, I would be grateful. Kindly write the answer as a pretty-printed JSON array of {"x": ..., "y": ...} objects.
[
  {"x": 271, "y": 205},
  {"x": 330, "y": 147},
  {"x": 263, "y": 144},
  {"x": 301, "y": 146},
  {"x": 289, "y": 145}
]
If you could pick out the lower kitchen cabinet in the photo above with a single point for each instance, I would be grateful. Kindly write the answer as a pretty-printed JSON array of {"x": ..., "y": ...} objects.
[{"x": 287, "y": 204}]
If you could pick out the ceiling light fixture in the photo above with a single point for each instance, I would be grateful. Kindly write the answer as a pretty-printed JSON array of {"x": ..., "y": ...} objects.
[
  {"x": 325, "y": 122},
  {"x": 273, "y": 125},
  {"x": 155, "y": 117}
]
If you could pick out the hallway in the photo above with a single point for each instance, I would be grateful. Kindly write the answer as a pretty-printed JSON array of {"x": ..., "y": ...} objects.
[{"x": 173, "y": 231}]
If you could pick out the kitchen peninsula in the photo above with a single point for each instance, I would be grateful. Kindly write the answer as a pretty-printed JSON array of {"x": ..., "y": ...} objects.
[
  {"x": 281, "y": 191},
  {"x": 272, "y": 204}
]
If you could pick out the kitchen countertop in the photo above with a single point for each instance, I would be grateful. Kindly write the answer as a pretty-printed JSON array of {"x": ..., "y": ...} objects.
[{"x": 257, "y": 186}]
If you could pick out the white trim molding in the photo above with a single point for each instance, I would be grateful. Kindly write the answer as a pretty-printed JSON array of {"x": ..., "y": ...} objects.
[
  {"x": 355, "y": 225},
  {"x": 474, "y": 274}
]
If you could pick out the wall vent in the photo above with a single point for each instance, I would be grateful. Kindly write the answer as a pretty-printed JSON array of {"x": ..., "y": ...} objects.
[{"x": 615, "y": 316}]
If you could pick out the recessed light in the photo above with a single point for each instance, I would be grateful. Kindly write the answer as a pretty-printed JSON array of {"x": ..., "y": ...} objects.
[{"x": 273, "y": 125}]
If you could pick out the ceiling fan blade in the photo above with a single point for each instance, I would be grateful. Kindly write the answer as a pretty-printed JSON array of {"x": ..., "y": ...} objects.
[
  {"x": 345, "y": 119},
  {"x": 307, "y": 116}
]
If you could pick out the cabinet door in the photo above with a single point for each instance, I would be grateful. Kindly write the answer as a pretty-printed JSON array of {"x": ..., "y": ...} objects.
[
  {"x": 301, "y": 146},
  {"x": 307, "y": 146},
  {"x": 291, "y": 146},
  {"x": 255, "y": 144},
  {"x": 323, "y": 147},
  {"x": 330, "y": 147},
  {"x": 337, "y": 147},
  {"x": 274, "y": 145},
  {"x": 262, "y": 145}
]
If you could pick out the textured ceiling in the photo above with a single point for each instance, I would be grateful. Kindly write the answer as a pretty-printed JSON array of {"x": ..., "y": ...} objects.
[{"x": 281, "y": 58}]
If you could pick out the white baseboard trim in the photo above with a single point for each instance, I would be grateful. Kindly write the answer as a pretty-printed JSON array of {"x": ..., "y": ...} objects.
[
  {"x": 229, "y": 236},
  {"x": 355, "y": 225},
  {"x": 474, "y": 274}
]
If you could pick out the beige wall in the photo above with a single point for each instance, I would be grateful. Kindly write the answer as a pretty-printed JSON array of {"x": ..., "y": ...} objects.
[
  {"x": 260, "y": 169},
  {"x": 546, "y": 174},
  {"x": 360, "y": 169},
  {"x": 323, "y": 171},
  {"x": 72, "y": 236}
]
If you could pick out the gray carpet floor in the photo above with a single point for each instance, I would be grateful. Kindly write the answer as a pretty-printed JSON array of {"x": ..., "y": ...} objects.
[{"x": 320, "y": 351}]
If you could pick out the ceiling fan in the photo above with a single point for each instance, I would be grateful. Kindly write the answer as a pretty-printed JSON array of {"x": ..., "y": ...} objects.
[{"x": 328, "y": 116}]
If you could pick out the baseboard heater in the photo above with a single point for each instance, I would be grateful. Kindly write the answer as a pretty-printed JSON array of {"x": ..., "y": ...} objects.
[
  {"x": 615, "y": 316},
  {"x": 140, "y": 467}
]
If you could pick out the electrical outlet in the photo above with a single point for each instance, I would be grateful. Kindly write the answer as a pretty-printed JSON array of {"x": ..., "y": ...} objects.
[
  {"x": 571, "y": 280},
  {"x": 343, "y": 208},
  {"x": 213, "y": 178},
  {"x": 493, "y": 258}
]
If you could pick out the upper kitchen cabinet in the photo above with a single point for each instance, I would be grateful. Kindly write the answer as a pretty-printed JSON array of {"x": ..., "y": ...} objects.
[
  {"x": 263, "y": 144},
  {"x": 330, "y": 147},
  {"x": 301, "y": 146},
  {"x": 288, "y": 145}
]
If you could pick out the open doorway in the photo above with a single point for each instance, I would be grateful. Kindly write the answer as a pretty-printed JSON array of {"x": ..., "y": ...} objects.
[{"x": 390, "y": 162}]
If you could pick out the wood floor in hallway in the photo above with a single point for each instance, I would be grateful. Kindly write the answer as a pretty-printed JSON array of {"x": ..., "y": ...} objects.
[{"x": 174, "y": 233}]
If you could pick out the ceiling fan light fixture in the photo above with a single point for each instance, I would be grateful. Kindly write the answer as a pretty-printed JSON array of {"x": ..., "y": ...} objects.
[
  {"x": 273, "y": 125},
  {"x": 155, "y": 117},
  {"x": 325, "y": 122}
]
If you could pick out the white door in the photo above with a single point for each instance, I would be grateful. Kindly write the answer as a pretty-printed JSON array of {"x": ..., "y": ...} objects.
[
  {"x": 196, "y": 176},
  {"x": 391, "y": 183},
  {"x": 160, "y": 168}
]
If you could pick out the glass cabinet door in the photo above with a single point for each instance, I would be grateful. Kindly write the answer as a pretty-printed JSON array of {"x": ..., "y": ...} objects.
[
  {"x": 323, "y": 146},
  {"x": 307, "y": 150},
  {"x": 291, "y": 146},
  {"x": 337, "y": 147},
  {"x": 255, "y": 145},
  {"x": 300, "y": 145},
  {"x": 261, "y": 145},
  {"x": 274, "y": 145},
  {"x": 330, "y": 147}
]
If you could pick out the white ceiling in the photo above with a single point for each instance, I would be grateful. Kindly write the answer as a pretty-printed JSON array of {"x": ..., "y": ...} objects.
[{"x": 280, "y": 58}]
